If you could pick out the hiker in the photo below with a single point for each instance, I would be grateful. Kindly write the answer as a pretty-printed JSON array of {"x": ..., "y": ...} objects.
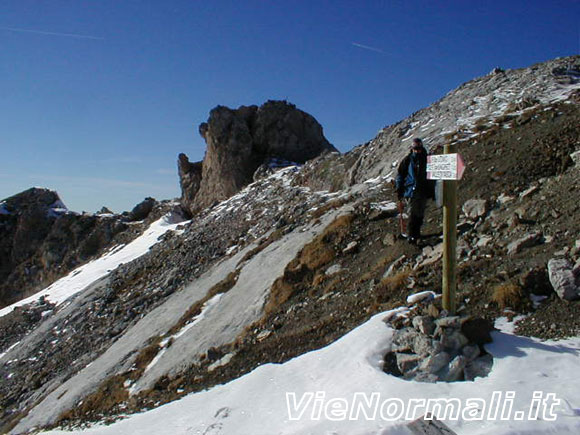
[{"x": 413, "y": 189}]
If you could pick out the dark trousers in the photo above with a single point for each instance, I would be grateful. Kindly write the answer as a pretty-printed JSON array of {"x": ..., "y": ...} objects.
[{"x": 416, "y": 213}]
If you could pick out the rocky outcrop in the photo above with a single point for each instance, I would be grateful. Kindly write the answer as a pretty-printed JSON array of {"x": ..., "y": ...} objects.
[
  {"x": 239, "y": 141},
  {"x": 41, "y": 240},
  {"x": 189, "y": 180},
  {"x": 142, "y": 210}
]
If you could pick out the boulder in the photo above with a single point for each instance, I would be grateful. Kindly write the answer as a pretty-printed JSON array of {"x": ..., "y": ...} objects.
[
  {"x": 478, "y": 368},
  {"x": 389, "y": 240},
  {"x": 351, "y": 247},
  {"x": 407, "y": 361},
  {"x": 483, "y": 241},
  {"x": 424, "y": 324},
  {"x": 403, "y": 339},
  {"x": 564, "y": 279},
  {"x": 470, "y": 352},
  {"x": 335, "y": 268},
  {"x": 426, "y": 377},
  {"x": 475, "y": 208},
  {"x": 529, "y": 191},
  {"x": 423, "y": 345},
  {"x": 527, "y": 241},
  {"x": 575, "y": 156},
  {"x": 430, "y": 256},
  {"x": 449, "y": 321},
  {"x": 434, "y": 363},
  {"x": 142, "y": 210},
  {"x": 429, "y": 426},
  {"x": 455, "y": 369},
  {"x": 453, "y": 340}
]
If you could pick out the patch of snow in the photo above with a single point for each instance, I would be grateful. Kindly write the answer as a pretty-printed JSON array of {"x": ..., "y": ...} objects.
[
  {"x": 57, "y": 209},
  {"x": 375, "y": 180},
  {"x": 231, "y": 249},
  {"x": 506, "y": 325},
  {"x": 9, "y": 349},
  {"x": 417, "y": 297},
  {"x": 269, "y": 399},
  {"x": 384, "y": 206},
  {"x": 208, "y": 305}
]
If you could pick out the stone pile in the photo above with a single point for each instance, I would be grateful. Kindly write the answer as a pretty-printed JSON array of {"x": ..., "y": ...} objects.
[{"x": 429, "y": 348}]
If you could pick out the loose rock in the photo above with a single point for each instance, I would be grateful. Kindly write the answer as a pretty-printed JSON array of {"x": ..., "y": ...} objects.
[
  {"x": 565, "y": 282},
  {"x": 475, "y": 208},
  {"x": 525, "y": 242}
]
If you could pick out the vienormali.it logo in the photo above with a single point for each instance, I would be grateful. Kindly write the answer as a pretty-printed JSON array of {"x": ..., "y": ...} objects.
[{"x": 371, "y": 406}]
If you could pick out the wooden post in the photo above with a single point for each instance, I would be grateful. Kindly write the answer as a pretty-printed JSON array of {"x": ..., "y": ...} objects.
[{"x": 449, "y": 239}]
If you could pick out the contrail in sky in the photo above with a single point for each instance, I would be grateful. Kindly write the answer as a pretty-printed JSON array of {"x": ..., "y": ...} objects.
[
  {"x": 367, "y": 47},
  {"x": 41, "y": 32}
]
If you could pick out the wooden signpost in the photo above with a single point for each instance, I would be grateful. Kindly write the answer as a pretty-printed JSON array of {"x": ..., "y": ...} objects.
[{"x": 448, "y": 167}]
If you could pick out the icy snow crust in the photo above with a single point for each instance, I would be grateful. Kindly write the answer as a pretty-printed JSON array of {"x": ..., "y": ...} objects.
[{"x": 256, "y": 403}]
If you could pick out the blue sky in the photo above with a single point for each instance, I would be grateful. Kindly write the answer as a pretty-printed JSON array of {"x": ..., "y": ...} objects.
[{"x": 99, "y": 97}]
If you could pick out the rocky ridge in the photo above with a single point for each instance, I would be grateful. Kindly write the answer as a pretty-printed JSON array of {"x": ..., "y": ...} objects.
[
  {"x": 483, "y": 104},
  {"x": 41, "y": 240}
]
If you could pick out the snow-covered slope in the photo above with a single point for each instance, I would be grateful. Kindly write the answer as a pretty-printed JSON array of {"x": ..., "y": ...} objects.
[
  {"x": 239, "y": 307},
  {"x": 318, "y": 393},
  {"x": 83, "y": 276}
]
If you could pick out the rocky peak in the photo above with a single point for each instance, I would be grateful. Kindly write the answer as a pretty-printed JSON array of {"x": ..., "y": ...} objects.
[
  {"x": 241, "y": 140},
  {"x": 33, "y": 199},
  {"x": 142, "y": 210}
]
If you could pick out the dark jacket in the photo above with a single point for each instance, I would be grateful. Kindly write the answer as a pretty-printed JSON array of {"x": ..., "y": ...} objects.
[{"x": 411, "y": 178}]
